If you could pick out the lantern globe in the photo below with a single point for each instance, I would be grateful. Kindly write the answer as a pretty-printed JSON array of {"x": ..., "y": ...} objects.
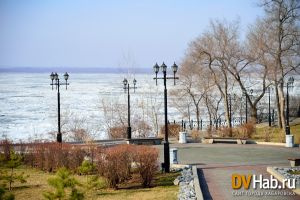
[
  {"x": 163, "y": 67},
  {"x": 66, "y": 76}
]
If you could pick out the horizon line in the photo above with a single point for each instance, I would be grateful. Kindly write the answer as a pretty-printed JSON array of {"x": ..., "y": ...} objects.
[{"x": 25, "y": 69}]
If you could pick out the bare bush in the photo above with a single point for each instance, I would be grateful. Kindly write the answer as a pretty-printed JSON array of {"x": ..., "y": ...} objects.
[
  {"x": 143, "y": 129},
  {"x": 114, "y": 164},
  {"x": 282, "y": 136},
  {"x": 267, "y": 133},
  {"x": 196, "y": 135},
  {"x": 225, "y": 132},
  {"x": 118, "y": 132},
  {"x": 147, "y": 163},
  {"x": 246, "y": 130},
  {"x": 173, "y": 130},
  {"x": 51, "y": 156},
  {"x": 6, "y": 147}
]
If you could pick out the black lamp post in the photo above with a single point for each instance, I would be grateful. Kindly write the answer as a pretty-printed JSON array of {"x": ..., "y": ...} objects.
[
  {"x": 288, "y": 85},
  {"x": 241, "y": 114},
  {"x": 127, "y": 87},
  {"x": 246, "y": 107},
  {"x": 269, "y": 107},
  {"x": 163, "y": 68},
  {"x": 54, "y": 76}
]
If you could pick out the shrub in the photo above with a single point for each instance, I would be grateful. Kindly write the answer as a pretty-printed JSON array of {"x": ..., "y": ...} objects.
[
  {"x": 143, "y": 129},
  {"x": 267, "y": 133},
  {"x": 247, "y": 129},
  {"x": 51, "y": 156},
  {"x": 76, "y": 155},
  {"x": 282, "y": 136},
  {"x": 225, "y": 132},
  {"x": 147, "y": 163},
  {"x": 4, "y": 195},
  {"x": 6, "y": 147},
  {"x": 87, "y": 168},
  {"x": 92, "y": 150},
  {"x": 9, "y": 177},
  {"x": 114, "y": 164},
  {"x": 195, "y": 134},
  {"x": 118, "y": 132},
  {"x": 173, "y": 130},
  {"x": 65, "y": 185}
]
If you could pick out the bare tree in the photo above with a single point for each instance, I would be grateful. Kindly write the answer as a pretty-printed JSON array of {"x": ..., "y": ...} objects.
[
  {"x": 190, "y": 80},
  {"x": 114, "y": 116},
  {"x": 282, "y": 18},
  {"x": 212, "y": 50},
  {"x": 212, "y": 103},
  {"x": 183, "y": 104}
]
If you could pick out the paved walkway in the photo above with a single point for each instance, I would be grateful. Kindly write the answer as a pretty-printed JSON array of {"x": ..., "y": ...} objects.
[{"x": 217, "y": 162}]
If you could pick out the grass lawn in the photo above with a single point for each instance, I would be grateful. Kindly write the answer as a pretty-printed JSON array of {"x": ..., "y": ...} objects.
[
  {"x": 276, "y": 134},
  {"x": 36, "y": 185}
]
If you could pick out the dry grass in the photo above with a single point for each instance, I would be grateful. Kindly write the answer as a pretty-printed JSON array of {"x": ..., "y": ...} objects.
[
  {"x": 37, "y": 184},
  {"x": 275, "y": 134},
  {"x": 295, "y": 130}
]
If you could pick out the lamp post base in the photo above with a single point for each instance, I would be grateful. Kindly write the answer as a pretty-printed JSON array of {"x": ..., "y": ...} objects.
[
  {"x": 289, "y": 141},
  {"x": 129, "y": 133},
  {"x": 59, "y": 138},
  {"x": 167, "y": 157}
]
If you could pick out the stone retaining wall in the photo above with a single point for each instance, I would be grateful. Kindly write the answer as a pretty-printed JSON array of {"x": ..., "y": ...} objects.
[{"x": 188, "y": 182}]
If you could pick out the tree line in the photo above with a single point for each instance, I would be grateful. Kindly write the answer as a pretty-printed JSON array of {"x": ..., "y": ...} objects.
[{"x": 221, "y": 62}]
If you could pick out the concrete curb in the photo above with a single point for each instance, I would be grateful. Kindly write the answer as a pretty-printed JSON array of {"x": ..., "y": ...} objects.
[
  {"x": 179, "y": 166},
  {"x": 271, "y": 143},
  {"x": 278, "y": 176},
  {"x": 198, "y": 191}
]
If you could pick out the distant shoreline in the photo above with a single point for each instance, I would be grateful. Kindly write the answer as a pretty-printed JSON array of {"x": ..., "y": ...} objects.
[{"x": 75, "y": 70}]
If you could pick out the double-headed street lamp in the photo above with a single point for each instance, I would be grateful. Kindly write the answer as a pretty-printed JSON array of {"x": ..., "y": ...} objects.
[
  {"x": 54, "y": 76},
  {"x": 127, "y": 87},
  {"x": 163, "y": 68},
  {"x": 288, "y": 85}
]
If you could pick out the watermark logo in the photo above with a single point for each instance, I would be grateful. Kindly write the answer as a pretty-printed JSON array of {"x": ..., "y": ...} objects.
[{"x": 239, "y": 181}]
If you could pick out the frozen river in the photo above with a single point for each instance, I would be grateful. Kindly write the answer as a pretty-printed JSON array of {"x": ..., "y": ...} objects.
[{"x": 29, "y": 106}]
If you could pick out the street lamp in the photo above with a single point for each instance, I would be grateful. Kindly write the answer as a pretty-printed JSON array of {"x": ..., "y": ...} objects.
[
  {"x": 54, "y": 76},
  {"x": 269, "y": 108},
  {"x": 288, "y": 85},
  {"x": 163, "y": 68},
  {"x": 127, "y": 87}
]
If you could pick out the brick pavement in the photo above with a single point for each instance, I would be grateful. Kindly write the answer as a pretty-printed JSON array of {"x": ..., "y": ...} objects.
[{"x": 217, "y": 162}]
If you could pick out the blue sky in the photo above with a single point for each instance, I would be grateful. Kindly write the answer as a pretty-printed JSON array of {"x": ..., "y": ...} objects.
[{"x": 112, "y": 33}]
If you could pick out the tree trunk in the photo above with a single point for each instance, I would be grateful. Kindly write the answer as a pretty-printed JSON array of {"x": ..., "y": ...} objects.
[
  {"x": 282, "y": 105},
  {"x": 209, "y": 114},
  {"x": 253, "y": 114},
  {"x": 189, "y": 115},
  {"x": 227, "y": 115},
  {"x": 198, "y": 117},
  {"x": 210, "y": 121}
]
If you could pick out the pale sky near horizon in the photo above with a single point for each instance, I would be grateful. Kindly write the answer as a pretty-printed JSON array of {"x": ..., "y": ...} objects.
[{"x": 115, "y": 33}]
